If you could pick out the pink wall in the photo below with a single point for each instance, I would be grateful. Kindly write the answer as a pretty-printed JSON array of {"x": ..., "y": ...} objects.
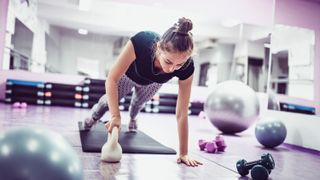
[
  {"x": 45, "y": 77},
  {"x": 3, "y": 24},
  {"x": 304, "y": 14}
]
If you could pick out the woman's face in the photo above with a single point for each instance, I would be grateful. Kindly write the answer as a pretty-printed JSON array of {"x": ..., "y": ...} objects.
[{"x": 172, "y": 61}]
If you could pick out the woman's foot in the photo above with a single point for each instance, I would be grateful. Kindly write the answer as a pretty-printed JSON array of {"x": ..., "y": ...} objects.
[{"x": 133, "y": 126}]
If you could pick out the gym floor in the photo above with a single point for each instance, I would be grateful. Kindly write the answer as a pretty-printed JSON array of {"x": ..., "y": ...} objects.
[{"x": 291, "y": 162}]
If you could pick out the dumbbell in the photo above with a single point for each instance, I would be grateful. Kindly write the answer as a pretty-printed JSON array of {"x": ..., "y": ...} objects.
[
  {"x": 209, "y": 146},
  {"x": 23, "y": 105},
  {"x": 212, "y": 146},
  {"x": 19, "y": 105},
  {"x": 266, "y": 161},
  {"x": 220, "y": 143},
  {"x": 202, "y": 144},
  {"x": 258, "y": 172},
  {"x": 16, "y": 105}
]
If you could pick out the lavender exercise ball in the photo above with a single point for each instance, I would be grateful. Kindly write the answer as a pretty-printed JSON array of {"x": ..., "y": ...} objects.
[{"x": 270, "y": 132}]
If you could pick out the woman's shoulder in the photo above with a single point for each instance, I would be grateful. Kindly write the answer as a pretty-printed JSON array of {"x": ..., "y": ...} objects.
[
  {"x": 145, "y": 35},
  {"x": 186, "y": 70},
  {"x": 188, "y": 65},
  {"x": 143, "y": 40}
]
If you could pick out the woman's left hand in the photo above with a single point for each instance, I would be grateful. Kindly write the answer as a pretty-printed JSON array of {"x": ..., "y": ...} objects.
[{"x": 187, "y": 161}]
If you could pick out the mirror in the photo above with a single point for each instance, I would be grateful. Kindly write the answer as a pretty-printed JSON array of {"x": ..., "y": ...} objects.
[
  {"x": 73, "y": 39},
  {"x": 244, "y": 59},
  {"x": 292, "y": 66}
]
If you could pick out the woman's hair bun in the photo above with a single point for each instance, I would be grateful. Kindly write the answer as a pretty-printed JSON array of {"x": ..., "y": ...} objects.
[{"x": 184, "y": 25}]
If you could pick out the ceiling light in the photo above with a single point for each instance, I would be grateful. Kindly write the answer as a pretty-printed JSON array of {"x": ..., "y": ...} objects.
[{"x": 83, "y": 31}]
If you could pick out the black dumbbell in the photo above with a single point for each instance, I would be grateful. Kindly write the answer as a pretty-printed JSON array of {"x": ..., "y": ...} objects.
[
  {"x": 258, "y": 172},
  {"x": 266, "y": 161}
]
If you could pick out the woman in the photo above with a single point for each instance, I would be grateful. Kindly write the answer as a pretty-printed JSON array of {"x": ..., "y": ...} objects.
[{"x": 146, "y": 62}]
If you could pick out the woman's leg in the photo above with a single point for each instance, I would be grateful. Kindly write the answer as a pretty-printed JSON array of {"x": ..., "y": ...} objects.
[
  {"x": 125, "y": 86},
  {"x": 141, "y": 94}
]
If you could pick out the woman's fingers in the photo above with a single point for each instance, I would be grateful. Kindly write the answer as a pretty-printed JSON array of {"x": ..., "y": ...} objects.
[{"x": 189, "y": 162}]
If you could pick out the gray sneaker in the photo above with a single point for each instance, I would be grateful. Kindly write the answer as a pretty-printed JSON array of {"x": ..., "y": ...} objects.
[
  {"x": 89, "y": 122},
  {"x": 133, "y": 126}
]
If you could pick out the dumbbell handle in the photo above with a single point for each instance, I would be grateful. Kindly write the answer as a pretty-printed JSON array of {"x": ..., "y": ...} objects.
[
  {"x": 268, "y": 163},
  {"x": 250, "y": 165}
]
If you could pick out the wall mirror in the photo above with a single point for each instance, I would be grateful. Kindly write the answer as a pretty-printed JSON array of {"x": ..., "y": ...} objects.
[{"x": 292, "y": 65}]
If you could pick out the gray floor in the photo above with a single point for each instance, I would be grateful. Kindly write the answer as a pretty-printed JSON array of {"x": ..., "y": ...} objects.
[{"x": 291, "y": 163}]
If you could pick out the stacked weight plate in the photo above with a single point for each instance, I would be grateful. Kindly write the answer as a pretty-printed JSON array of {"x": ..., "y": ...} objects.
[
  {"x": 93, "y": 89},
  {"x": 195, "y": 107},
  {"x": 57, "y": 94},
  {"x": 85, "y": 96},
  {"x": 31, "y": 92},
  {"x": 125, "y": 103},
  {"x": 164, "y": 103}
]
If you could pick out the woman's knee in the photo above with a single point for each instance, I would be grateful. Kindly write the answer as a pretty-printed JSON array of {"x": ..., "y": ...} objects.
[{"x": 103, "y": 101}]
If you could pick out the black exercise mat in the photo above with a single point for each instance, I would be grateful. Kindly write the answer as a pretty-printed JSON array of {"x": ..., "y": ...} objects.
[{"x": 92, "y": 141}]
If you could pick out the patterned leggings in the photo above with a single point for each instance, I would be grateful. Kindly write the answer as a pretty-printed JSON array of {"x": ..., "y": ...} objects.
[{"x": 141, "y": 94}]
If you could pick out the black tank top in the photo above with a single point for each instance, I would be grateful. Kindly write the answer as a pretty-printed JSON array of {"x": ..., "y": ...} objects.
[{"x": 142, "y": 69}]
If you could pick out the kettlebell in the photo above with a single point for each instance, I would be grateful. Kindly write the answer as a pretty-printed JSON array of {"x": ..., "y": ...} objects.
[{"x": 111, "y": 151}]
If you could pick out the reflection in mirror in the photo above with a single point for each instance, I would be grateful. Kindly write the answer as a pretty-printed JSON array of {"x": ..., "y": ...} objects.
[
  {"x": 81, "y": 53},
  {"x": 21, "y": 42},
  {"x": 244, "y": 58},
  {"x": 292, "y": 60}
]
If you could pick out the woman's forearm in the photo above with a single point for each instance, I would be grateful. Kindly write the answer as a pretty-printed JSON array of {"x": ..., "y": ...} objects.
[
  {"x": 183, "y": 135},
  {"x": 112, "y": 95}
]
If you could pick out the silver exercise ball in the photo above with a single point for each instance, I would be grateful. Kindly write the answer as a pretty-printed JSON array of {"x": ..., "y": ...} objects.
[
  {"x": 232, "y": 107},
  {"x": 270, "y": 132},
  {"x": 37, "y": 154}
]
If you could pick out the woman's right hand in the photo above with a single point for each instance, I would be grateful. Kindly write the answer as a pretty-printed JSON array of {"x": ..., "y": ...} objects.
[{"x": 115, "y": 121}]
